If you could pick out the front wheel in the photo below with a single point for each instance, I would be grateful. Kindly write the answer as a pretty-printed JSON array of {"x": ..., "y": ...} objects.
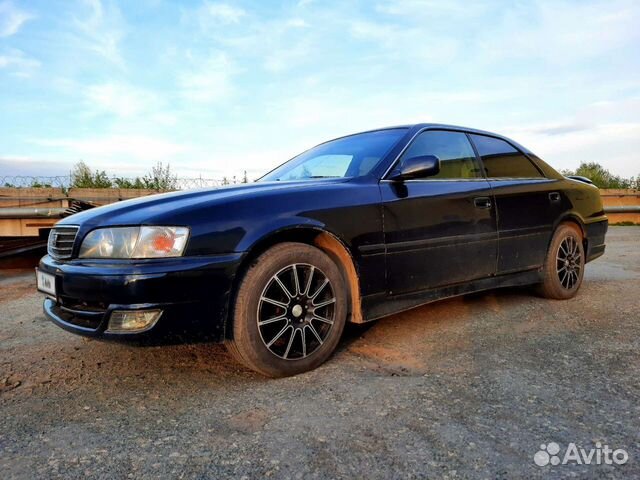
[
  {"x": 564, "y": 265},
  {"x": 289, "y": 312}
]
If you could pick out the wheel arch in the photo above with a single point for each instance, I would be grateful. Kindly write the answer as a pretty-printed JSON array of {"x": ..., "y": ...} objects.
[
  {"x": 312, "y": 235},
  {"x": 573, "y": 218}
]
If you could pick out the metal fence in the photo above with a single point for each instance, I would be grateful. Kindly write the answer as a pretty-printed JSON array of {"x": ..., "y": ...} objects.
[{"x": 65, "y": 181}]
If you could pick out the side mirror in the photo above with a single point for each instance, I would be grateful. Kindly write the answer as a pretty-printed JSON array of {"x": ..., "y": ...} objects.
[{"x": 417, "y": 167}]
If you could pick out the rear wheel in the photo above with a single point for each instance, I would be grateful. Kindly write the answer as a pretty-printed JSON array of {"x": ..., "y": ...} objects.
[
  {"x": 564, "y": 265},
  {"x": 290, "y": 311}
]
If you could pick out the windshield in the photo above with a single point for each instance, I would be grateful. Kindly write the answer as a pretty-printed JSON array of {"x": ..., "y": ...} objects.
[{"x": 350, "y": 156}]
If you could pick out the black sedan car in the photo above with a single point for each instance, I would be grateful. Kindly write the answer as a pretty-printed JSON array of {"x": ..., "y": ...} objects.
[{"x": 351, "y": 230}]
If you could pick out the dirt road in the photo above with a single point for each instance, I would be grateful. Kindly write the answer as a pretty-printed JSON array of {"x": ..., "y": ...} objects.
[{"x": 464, "y": 388}]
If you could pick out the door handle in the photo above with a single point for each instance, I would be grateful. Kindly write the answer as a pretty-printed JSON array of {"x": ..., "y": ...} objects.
[
  {"x": 554, "y": 197},
  {"x": 482, "y": 202}
]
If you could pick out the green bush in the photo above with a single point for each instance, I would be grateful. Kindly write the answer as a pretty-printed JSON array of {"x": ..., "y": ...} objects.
[{"x": 121, "y": 182}]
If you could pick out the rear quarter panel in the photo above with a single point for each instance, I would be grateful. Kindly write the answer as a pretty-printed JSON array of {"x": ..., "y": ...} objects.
[{"x": 582, "y": 203}]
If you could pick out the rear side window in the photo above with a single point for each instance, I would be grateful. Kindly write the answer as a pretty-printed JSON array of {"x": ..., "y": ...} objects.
[
  {"x": 457, "y": 159},
  {"x": 502, "y": 160}
]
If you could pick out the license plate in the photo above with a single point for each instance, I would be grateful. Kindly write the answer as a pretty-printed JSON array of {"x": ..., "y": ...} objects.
[{"x": 46, "y": 282}]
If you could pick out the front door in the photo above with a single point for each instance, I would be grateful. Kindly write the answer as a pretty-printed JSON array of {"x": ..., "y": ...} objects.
[{"x": 440, "y": 230}]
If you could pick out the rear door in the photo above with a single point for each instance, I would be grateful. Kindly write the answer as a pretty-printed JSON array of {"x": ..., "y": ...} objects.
[
  {"x": 527, "y": 203},
  {"x": 439, "y": 230}
]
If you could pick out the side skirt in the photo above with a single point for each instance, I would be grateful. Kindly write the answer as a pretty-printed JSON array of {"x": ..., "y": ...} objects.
[{"x": 380, "y": 305}]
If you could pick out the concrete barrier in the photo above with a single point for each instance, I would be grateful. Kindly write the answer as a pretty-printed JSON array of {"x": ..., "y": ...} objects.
[
  {"x": 29, "y": 198},
  {"x": 621, "y": 206}
]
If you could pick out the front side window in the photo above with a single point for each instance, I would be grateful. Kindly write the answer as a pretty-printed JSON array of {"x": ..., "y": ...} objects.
[
  {"x": 502, "y": 160},
  {"x": 457, "y": 159},
  {"x": 351, "y": 156}
]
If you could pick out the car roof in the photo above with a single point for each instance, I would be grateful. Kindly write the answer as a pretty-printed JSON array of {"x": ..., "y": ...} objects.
[{"x": 415, "y": 127}]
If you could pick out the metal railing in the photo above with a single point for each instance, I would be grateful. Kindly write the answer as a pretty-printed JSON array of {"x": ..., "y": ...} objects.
[
  {"x": 622, "y": 209},
  {"x": 26, "y": 181},
  {"x": 65, "y": 181}
]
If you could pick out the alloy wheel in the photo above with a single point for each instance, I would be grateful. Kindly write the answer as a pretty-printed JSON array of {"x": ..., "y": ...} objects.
[
  {"x": 296, "y": 311},
  {"x": 568, "y": 262}
]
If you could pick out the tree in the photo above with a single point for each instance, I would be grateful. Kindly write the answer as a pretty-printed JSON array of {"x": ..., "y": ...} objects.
[
  {"x": 601, "y": 177},
  {"x": 83, "y": 177},
  {"x": 101, "y": 180},
  {"x": 161, "y": 178}
]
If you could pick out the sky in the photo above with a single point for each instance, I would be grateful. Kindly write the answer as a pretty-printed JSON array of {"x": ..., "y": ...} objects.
[{"x": 215, "y": 88}]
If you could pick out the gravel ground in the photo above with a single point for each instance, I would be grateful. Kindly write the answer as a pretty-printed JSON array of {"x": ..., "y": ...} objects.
[{"x": 464, "y": 388}]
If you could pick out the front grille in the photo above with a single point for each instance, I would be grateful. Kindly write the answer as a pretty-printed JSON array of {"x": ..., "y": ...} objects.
[{"x": 61, "y": 240}]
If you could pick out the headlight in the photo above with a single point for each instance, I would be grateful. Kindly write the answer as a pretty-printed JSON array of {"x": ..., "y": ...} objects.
[{"x": 135, "y": 242}]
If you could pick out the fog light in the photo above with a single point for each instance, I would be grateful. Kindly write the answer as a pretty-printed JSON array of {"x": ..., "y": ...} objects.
[{"x": 131, "y": 321}]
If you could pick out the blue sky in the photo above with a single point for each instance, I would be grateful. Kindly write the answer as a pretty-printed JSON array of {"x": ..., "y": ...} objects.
[{"x": 218, "y": 87}]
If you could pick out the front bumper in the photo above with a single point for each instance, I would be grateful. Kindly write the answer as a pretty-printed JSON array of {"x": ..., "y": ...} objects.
[{"x": 192, "y": 292}]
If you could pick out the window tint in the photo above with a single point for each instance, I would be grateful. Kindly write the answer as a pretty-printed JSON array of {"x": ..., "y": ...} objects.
[
  {"x": 501, "y": 160},
  {"x": 457, "y": 159}
]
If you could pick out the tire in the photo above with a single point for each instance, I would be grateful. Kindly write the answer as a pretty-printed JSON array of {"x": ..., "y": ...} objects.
[
  {"x": 564, "y": 264},
  {"x": 283, "y": 326}
]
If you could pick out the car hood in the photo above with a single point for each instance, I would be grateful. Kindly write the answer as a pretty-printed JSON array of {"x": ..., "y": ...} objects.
[{"x": 148, "y": 210}]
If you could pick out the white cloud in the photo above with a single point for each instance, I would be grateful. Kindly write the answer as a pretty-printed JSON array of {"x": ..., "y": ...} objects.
[
  {"x": 102, "y": 31},
  {"x": 116, "y": 148},
  {"x": 491, "y": 33},
  {"x": 120, "y": 99},
  {"x": 12, "y": 19},
  {"x": 561, "y": 33},
  {"x": 210, "y": 81},
  {"x": 417, "y": 43},
  {"x": 373, "y": 31},
  {"x": 281, "y": 59},
  {"x": 27, "y": 165},
  {"x": 430, "y": 8},
  {"x": 276, "y": 41},
  {"x": 297, "y": 23},
  {"x": 222, "y": 12},
  {"x": 335, "y": 112},
  {"x": 613, "y": 145},
  {"x": 18, "y": 63}
]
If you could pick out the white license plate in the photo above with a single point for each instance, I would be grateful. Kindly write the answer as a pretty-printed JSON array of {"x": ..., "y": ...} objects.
[{"x": 46, "y": 282}]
